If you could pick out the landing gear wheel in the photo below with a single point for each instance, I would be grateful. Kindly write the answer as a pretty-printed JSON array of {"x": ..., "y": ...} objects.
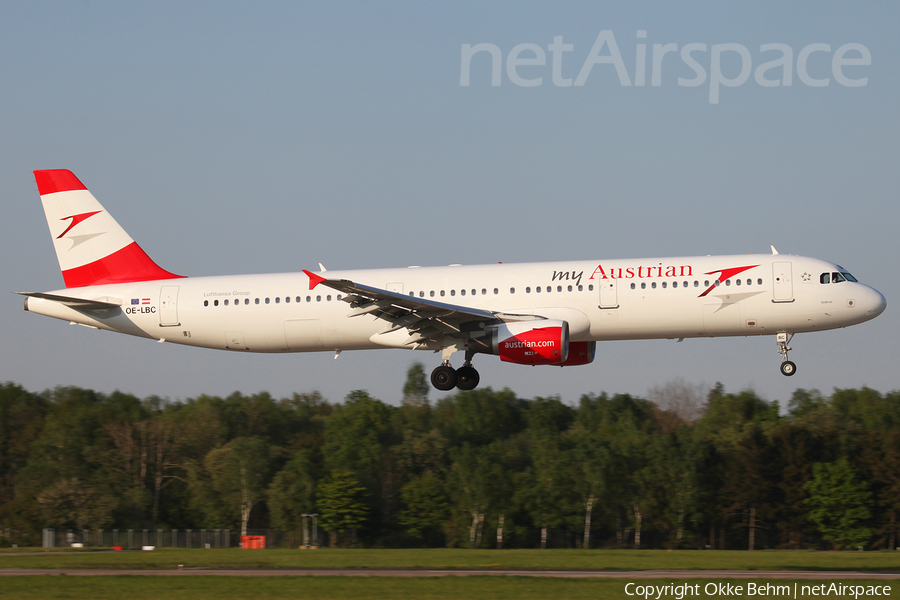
[
  {"x": 443, "y": 378},
  {"x": 788, "y": 368},
  {"x": 467, "y": 378}
]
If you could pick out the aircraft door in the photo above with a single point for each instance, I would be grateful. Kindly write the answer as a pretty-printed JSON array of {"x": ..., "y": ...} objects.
[
  {"x": 782, "y": 288},
  {"x": 608, "y": 293},
  {"x": 168, "y": 306}
]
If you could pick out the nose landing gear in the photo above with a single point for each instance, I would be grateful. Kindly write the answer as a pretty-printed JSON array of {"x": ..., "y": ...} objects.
[{"x": 787, "y": 367}]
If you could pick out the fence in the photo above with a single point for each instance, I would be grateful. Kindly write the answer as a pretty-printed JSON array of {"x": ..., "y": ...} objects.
[{"x": 135, "y": 539}]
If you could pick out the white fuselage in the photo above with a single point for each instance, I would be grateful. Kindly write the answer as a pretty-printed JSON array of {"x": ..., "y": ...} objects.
[{"x": 600, "y": 300}]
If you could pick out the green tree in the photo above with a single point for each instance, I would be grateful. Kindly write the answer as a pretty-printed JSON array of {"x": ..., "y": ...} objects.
[
  {"x": 427, "y": 508},
  {"x": 470, "y": 477},
  {"x": 341, "y": 503},
  {"x": 839, "y": 504},
  {"x": 293, "y": 491},
  {"x": 71, "y": 503},
  {"x": 359, "y": 437},
  {"x": 233, "y": 481},
  {"x": 796, "y": 446}
]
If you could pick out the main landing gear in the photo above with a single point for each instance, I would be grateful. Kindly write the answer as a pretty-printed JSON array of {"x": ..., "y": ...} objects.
[
  {"x": 787, "y": 367},
  {"x": 445, "y": 377}
]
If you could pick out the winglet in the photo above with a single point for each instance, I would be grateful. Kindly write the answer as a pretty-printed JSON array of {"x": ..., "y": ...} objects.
[
  {"x": 314, "y": 279},
  {"x": 774, "y": 251}
]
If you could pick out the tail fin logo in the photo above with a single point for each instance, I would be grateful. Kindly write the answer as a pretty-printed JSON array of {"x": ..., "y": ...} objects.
[{"x": 76, "y": 219}]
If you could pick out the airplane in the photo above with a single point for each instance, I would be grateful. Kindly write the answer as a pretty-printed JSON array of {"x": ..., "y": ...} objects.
[{"x": 550, "y": 313}]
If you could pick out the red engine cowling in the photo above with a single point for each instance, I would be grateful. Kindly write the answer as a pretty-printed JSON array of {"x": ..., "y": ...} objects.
[{"x": 544, "y": 342}]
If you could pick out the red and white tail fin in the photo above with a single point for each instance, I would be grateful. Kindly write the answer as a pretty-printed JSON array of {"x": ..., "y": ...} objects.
[{"x": 91, "y": 247}]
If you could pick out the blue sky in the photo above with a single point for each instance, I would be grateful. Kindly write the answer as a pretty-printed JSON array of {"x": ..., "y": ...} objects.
[{"x": 268, "y": 137}]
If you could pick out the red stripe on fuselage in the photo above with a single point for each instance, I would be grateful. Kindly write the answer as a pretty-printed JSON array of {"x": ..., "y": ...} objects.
[
  {"x": 127, "y": 265},
  {"x": 57, "y": 180}
]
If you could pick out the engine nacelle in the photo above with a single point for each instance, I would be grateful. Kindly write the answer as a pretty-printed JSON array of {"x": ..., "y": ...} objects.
[
  {"x": 539, "y": 342},
  {"x": 580, "y": 353}
]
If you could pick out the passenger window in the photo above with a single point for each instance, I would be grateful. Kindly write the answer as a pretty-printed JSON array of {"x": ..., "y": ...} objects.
[
  {"x": 664, "y": 284},
  {"x": 206, "y": 303},
  {"x": 413, "y": 294},
  {"x": 528, "y": 290},
  {"x": 338, "y": 296},
  {"x": 267, "y": 300},
  {"x": 548, "y": 289},
  {"x": 318, "y": 298},
  {"x": 538, "y": 289},
  {"x": 215, "y": 302},
  {"x": 643, "y": 285},
  {"x": 483, "y": 291},
  {"x": 570, "y": 288},
  {"x": 727, "y": 282},
  {"x": 422, "y": 294},
  {"x": 256, "y": 301},
  {"x": 632, "y": 286},
  {"x": 452, "y": 292},
  {"x": 591, "y": 288},
  {"x": 277, "y": 300},
  {"x": 309, "y": 298},
  {"x": 461, "y": 293},
  {"x": 759, "y": 281},
  {"x": 696, "y": 283},
  {"x": 706, "y": 283},
  {"x": 512, "y": 290},
  {"x": 225, "y": 302},
  {"x": 431, "y": 293},
  {"x": 442, "y": 293},
  {"x": 298, "y": 299},
  {"x": 718, "y": 283},
  {"x": 496, "y": 291},
  {"x": 749, "y": 282},
  {"x": 580, "y": 288},
  {"x": 674, "y": 284},
  {"x": 737, "y": 282},
  {"x": 287, "y": 299},
  {"x": 825, "y": 278},
  {"x": 475, "y": 292},
  {"x": 328, "y": 297},
  {"x": 653, "y": 285}
]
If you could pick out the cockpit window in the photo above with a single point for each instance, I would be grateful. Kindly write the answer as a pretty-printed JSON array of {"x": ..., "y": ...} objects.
[{"x": 836, "y": 277}]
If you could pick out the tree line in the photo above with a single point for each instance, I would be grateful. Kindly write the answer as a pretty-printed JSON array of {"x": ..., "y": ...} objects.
[{"x": 686, "y": 467}]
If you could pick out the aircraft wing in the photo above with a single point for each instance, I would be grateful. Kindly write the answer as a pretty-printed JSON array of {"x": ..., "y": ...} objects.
[{"x": 425, "y": 319}]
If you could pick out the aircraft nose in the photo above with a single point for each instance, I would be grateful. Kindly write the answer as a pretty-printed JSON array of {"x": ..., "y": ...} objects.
[{"x": 875, "y": 303}]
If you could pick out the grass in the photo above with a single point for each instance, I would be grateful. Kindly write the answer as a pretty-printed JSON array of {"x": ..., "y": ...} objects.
[
  {"x": 370, "y": 588},
  {"x": 443, "y": 558}
]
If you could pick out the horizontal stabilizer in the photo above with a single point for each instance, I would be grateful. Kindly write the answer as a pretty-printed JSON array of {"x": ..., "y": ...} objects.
[{"x": 81, "y": 303}]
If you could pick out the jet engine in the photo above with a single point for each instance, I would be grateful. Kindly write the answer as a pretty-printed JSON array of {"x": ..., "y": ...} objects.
[{"x": 539, "y": 342}]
